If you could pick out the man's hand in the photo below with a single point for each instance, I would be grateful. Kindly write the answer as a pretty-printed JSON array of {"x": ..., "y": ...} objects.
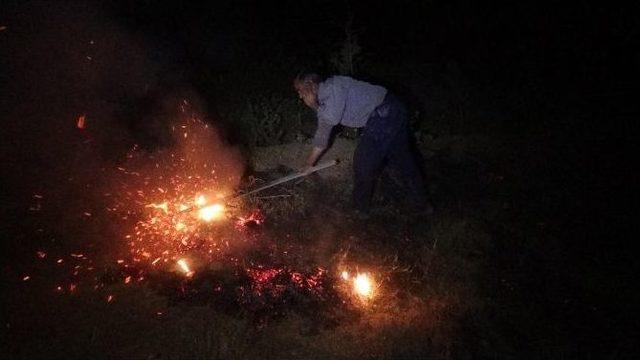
[
  {"x": 313, "y": 158},
  {"x": 306, "y": 170},
  {"x": 315, "y": 155}
]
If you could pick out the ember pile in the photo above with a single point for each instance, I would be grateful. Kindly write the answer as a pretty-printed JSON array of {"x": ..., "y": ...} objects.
[{"x": 177, "y": 233}]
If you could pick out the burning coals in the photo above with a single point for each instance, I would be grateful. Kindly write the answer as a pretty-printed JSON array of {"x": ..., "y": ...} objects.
[
  {"x": 175, "y": 198},
  {"x": 176, "y": 230}
]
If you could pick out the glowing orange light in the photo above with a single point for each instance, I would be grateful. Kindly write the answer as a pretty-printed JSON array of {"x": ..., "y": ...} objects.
[
  {"x": 200, "y": 200},
  {"x": 345, "y": 275},
  {"x": 213, "y": 212},
  {"x": 363, "y": 285},
  {"x": 185, "y": 267},
  {"x": 163, "y": 206},
  {"x": 180, "y": 226},
  {"x": 81, "y": 121}
]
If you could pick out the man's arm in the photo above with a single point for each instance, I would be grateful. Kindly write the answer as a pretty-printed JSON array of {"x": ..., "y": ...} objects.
[
  {"x": 314, "y": 156},
  {"x": 320, "y": 144}
]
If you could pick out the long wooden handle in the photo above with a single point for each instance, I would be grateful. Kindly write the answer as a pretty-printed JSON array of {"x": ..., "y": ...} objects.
[
  {"x": 290, "y": 177},
  {"x": 279, "y": 181}
]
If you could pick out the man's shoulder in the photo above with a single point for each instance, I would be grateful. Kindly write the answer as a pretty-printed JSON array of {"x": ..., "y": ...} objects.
[
  {"x": 330, "y": 85},
  {"x": 337, "y": 80},
  {"x": 345, "y": 83}
]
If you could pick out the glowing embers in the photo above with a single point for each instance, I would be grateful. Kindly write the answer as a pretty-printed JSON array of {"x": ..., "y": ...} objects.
[
  {"x": 275, "y": 282},
  {"x": 167, "y": 231},
  {"x": 208, "y": 213},
  {"x": 363, "y": 285},
  {"x": 162, "y": 206},
  {"x": 254, "y": 218},
  {"x": 212, "y": 212},
  {"x": 184, "y": 267},
  {"x": 80, "y": 124}
]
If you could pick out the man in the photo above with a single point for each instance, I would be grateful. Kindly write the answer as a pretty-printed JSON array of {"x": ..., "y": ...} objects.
[{"x": 349, "y": 102}]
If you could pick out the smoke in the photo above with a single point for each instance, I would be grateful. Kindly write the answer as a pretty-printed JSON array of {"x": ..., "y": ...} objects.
[{"x": 64, "y": 61}]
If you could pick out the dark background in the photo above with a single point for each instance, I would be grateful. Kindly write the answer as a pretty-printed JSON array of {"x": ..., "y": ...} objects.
[{"x": 551, "y": 80}]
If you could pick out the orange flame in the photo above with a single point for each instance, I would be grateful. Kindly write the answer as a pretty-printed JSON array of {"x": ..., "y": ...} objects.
[
  {"x": 213, "y": 212},
  {"x": 182, "y": 263},
  {"x": 200, "y": 200},
  {"x": 363, "y": 286},
  {"x": 345, "y": 275},
  {"x": 81, "y": 121}
]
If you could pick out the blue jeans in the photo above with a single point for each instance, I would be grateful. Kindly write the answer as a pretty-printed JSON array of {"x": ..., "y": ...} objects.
[{"x": 386, "y": 139}]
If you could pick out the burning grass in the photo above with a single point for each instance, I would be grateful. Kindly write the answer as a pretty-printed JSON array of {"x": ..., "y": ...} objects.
[{"x": 175, "y": 261}]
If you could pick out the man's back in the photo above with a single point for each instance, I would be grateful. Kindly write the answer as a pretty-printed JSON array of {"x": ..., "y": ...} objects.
[{"x": 347, "y": 101}]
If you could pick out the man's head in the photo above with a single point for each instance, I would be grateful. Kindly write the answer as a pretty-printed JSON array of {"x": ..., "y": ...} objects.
[{"x": 307, "y": 87}]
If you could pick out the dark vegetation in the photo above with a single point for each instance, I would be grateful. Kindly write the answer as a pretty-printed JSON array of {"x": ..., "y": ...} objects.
[{"x": 518, "y": 110}]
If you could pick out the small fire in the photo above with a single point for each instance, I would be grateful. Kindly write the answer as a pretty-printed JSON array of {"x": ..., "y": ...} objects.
[
  {"x": 363, "y": 286},
  {"x": 213, "y": 212},
  {"x": 345, "y": 275},
  {"x": 182, "y": 263}
]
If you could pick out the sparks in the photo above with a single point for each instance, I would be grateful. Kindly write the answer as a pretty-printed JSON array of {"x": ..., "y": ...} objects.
[
  {"x": 345, "y": 275},
  {"x": 213, "y": 212},
  {"x": 162, "y": 206},
  {"x": 200, "y": 201},
  {"x": 185, "y": 267},
  {"x": 81, "y": 121}
]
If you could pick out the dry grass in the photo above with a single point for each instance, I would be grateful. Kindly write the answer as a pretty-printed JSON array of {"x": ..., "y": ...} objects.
[{"x": 432, "y": 301}]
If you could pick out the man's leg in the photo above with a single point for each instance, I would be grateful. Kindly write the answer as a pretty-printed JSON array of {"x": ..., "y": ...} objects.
[
  {"x": 403, "y": 160},
  {"x": 367, "y": 161}
]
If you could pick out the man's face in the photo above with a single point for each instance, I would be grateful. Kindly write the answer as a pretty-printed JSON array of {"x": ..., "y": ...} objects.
[{"x": 308, "y": 94}]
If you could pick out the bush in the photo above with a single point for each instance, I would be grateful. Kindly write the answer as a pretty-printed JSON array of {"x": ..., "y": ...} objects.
[{"x": 270, "y": 119}]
